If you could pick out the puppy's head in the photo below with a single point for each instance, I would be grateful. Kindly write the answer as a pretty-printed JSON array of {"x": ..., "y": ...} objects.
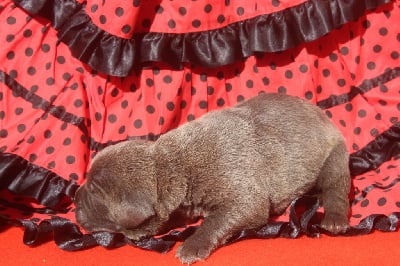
[{"x": 121, "y": 190}]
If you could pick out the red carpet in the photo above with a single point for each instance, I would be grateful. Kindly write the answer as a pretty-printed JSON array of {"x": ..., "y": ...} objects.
[{"x": 373, "y": 249}]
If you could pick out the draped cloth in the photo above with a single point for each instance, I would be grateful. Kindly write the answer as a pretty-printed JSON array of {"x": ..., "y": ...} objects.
[{"x": 77, "y": 76}]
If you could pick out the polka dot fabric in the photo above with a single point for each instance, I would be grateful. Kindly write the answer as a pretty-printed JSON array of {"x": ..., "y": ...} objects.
[
  {"x": 123, "y": 18},
  {"x": 56, "y": 112}
]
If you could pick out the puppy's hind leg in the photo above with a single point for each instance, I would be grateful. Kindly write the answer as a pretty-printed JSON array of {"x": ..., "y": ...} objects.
[{"x": 334, "y": 183}]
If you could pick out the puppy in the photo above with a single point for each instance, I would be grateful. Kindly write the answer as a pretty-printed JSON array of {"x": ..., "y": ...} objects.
[{"x": 235, "y": 167}]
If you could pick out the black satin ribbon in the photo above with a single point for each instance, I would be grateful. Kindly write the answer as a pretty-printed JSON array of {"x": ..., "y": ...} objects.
[
  {"x": 273, "y": 32},
  {"x": 68, "y": 236}
]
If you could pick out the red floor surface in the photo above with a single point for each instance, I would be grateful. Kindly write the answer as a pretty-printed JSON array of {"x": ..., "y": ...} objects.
[{"x": 374, "y": 249}]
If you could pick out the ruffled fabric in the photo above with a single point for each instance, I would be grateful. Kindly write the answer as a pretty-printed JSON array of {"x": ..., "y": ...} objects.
[
  {"x": 57, "y": 110},
  {"x": 114, "y": 55}
]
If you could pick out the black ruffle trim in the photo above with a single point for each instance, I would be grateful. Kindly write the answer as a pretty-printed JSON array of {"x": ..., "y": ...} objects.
[
  {"x": 26, "y": 179},
  {"x": 273, "y": 32},
  {"x": 68, "y": 236}
]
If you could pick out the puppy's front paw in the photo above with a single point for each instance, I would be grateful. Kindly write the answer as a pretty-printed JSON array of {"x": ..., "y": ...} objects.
[
  {"x": 335, "y": 223},
  {"x": 190, "y": 251}
]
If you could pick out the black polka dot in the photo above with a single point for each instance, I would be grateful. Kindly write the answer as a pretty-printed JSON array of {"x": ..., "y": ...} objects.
[
  {"x": 309, "y": 95},
  {"x": 221, "y": 19},
  {"x": 70, "y": 159},
  {"x": 78, "y": 103},
  {"x": 94, "y": 8},
  {"x": 150, "y": 109},
  {"x": 344, "y": 50},
  {"x": 326, "y": 72},
  {"x": 32, "y": 157},
  {"x": 114, "y": 92},
  {"x": 170, "y": 106},
  {"x": 159, "y": 9},
  {"x": 50, "y": 150},
  {"x": 182, "y": 10},
  {"x": 203, "y": 104},
  {"x": 21, "y": 128},
  {"x": 342, "y": 123},
  {"x": 119, "y": 11},
  {"x": 74, "y": 176},
  {"x": 210, "y": 90},
  {"x": 19, "y": 110},
  {"x": 275, "y": 3},
  {"x": 136, "y": 3},
  {"x": 47, "y": 134},
  {"x": 282, "y": 90},
  {"x": 348, "y": 107},
  {"x": 364, "y": 203},
  {"x": 394, "y": 55},
  {"x": 149, "y": 82},
  {"x": 183, "y": 104},
  {"x": 190, "y": 117},
  {"x": 378, "y": 116},
  {"x": 50, "y": 81},
  {"x": 288, "y": 74},
  {"x": 374, "y": 132},
  {"x": 333, "y": 57},
  {"x": 112, "y": 118},
  {"x": 10, "y": 38},
  {"x": 362, "y": 113},
  {"x": 265, "y": 81},
  {"x": 10, "y": 55},
  {"x": 328, "y": 113},
  {"x": 371, "y": 65},
  {"x": 138, "y": 123},
  {"x": 196, "y": 23},
  {"x": 240, "y": 11},
  {"x": 171, "y": 23},
  {"x": 11, "y": 20},
  {"x": 357, "y": 131},
  {"x": 383, "y": 88},
  {"x": 31, "y": 70},
  {"x": 103, "y": 19},
  {"x": 381, "y": 202},
  {"x": 239, "y": 98},
  {"x": 228, "y": 87},
  {"x": 377, "y": 48},
  {"x": 64, "y": 126},
  {"x": 341, "y": 82},
  {"x": 126, "y": 29},
  {"x": 366, "y": 24},
  {"x": 167, "y": 79},
  {"x": 30, "y": 140},
  {"x": 357, "y": 59},
  {"x": 303, "y": 68},
  {"x": 60, "y": 59},
  {"x": 3, "y": 133},
  {"x": 51, "y": 165},
  {"x": 220, "y": 102},
  {"x": 208, "y": 8},
  {"x": 28, "y": 51},
  {"x": 161, "y": 121},
  {"x": 121, "y": 130},
  {"x": 383, "y": 31},
  {"x": 398, "y": 204},
  {"x": 249, "y": 84}
]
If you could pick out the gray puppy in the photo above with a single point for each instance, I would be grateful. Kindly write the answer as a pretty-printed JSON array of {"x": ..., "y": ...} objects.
[{"x": 235, "y": 167}]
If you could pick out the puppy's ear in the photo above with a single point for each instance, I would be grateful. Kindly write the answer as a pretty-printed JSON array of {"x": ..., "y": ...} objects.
[{"x": 135, "y": 211}]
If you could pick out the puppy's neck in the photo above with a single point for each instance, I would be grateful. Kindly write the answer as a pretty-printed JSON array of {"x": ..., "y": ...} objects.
[{"x": 171, "y": 175}]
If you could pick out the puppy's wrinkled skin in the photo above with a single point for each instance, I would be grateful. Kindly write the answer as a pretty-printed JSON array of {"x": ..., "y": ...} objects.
[{"x": 234, "y": 167}]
